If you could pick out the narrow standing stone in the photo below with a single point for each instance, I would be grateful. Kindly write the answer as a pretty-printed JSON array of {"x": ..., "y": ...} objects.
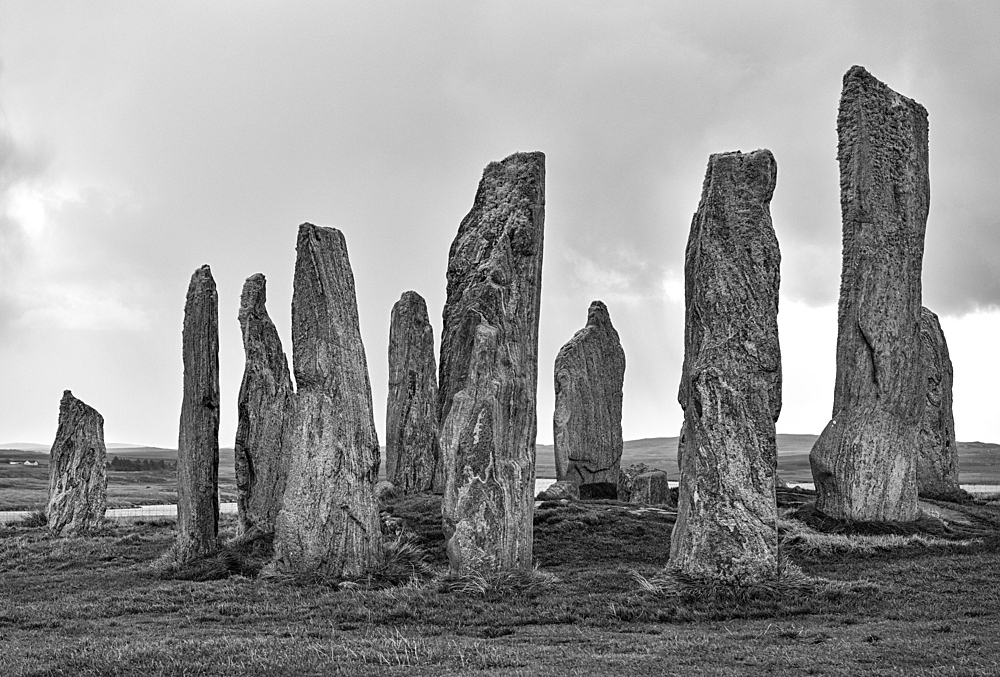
[
  {"x": 411, "y": 423},
  {"x": 731, "y": 381},
  {"x": 329, "y": 522},
  {"x": 937, "y": 461},
  {"x": 78, "y": 480},
  {"x": 264, "y": 406},
  {"x": 489, "y": 370},
  {"x": 864, "y": 462},
  {"x": 198, "y": 441},
  {"x": 587, "y": 423}
]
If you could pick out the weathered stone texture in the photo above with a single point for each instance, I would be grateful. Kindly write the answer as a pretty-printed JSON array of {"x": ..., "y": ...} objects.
[
  {"x": 864, "y": 462},
  {"x": 626, "y": 479},
  {"x": 263, "y": 407},
  {"x": 651, "y": 488},
  {"x": 587, "y": 423},
  {"x": 937, "y": 460},
  {"x": 78, "y": 481},
  {"x": 560, "y": 491},
  {"x": 731, "y": 380},
  {"x": 329, "y": 520},
  {"x": 198, "y": 440},
  {"x": 489, "y": 369},
  {"x": 411, "y": 424}
]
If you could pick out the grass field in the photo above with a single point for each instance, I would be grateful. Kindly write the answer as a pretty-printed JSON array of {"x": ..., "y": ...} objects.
[{"x": 903, "y": 604}]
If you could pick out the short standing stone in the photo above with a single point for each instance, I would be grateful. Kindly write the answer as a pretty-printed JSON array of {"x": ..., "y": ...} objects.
[
  {"x": 78, "y": 481},
  {"x": 411, "y": 423},
  {"x": 263, "y": 407},
  {"x": 651, "y": 488},
  {"x": 864, "y": 462},
  {"x": 937, "y": 462},
  {"x": 198, "y": 441},
  {"x": 587, "y": 423},
  {"x": 489, "y": 370},
  {"x": 731, "y": 380},
  {"x": 626, "y": 479},
  {"x": 329, "y": 521},
  {"x": 560, "y": 491}
]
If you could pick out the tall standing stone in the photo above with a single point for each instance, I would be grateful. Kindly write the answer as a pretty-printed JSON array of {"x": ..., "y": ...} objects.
[
  {"x": 78, "y": 480},
  {"x": 329, "y": 522},
  {"x": 937, "y": 460},
  {"x": 864, "y": 462},
  {"x": 587, "y": 423},
  {"x": 411, "y": 423},
  {"x": 263, "y": 407},
  {"x": 198, "y": 441},
  {"x": 489, "y": 369},
  {"x": 731, "y": 380}
]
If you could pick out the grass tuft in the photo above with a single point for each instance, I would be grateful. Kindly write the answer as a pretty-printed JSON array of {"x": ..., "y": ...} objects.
[
  {"x": 36, "y": 519},
  {"x": 501, "y": 584}
]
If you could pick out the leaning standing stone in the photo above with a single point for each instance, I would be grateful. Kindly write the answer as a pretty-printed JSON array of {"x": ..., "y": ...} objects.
[
  {"x": 937, "y": 461},
  {"x": 78, "y": 481},
  {"x": 263, "y": 407},
  {"x": 489, "y": 370},
  {"x": 329, "y": 521},
  {"x": 587, "y": 423},
  {"x": 864, "y": 462},
  {"x": 411, "y": 423},
  {"x": 198, "y": 441},
  {"x": 731, "y": 380}
]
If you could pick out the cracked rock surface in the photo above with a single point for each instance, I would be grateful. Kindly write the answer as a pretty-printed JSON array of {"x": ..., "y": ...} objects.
[
  {"x": 864, "y": 462},
  {"x": 78, "y": 479},
  {"x": 489, "y": 370},
  {"x": 587, "y": 423},
  {"x": 328, "y": 522},
  {"x": 730, "y": 386}
]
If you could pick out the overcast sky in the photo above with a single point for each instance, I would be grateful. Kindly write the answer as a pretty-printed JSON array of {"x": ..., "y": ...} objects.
[{"x": 141, "y": 140}]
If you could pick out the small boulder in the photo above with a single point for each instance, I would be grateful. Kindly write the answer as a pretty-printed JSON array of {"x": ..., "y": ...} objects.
[
  {"x": 560, "y": 491},
  {"x": 651, "y": 488},
  {"x": 627, "y": 477},
  {"x": 385, "y": 490}
]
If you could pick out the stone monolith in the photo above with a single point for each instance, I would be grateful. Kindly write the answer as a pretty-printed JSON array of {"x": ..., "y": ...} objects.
[
  {"x": 263, "y": 407},
  {"x": 489, "y": 370},
  {"x": 78, "y": 480},
  {"x": 731, "y": 378},
  {"x": 411, "y": 423},
  {"x": 937, "y": 459},
  {"x": 329, "y": 521},
  {"x": 587, "y": 423},
  {"x": 864, "y": 462},
  {"x": 198, "y": 440}
]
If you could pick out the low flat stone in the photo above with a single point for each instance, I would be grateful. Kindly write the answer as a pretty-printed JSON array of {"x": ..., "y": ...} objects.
[{"x": 560, "y": 491}]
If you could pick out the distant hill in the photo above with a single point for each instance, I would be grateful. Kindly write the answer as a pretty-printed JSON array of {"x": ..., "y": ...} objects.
[{"x": 979, "y": 461}]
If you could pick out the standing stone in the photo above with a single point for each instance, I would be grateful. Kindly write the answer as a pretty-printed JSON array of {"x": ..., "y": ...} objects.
[
  {"x": 78, "y": 481},
  {"x": 329, "y": 522},
  {"x": 864, "y": 462},
  {"x": 587, "y": 424},
  {"x": 411, "y": 423},
  {"x": 937, "y": 460},
  {"x": 198, "y": 441},
  {"x": 731, "y": 380},
  {"x": 489, "y": 370},
  {"x": 263, "y": 407}
]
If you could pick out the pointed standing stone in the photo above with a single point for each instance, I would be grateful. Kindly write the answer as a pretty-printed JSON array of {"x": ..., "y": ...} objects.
[
  {"x": 78, "y": 480},
  {"x": 329, "y": 522},
  {"x": 263, "y": 407},
  {"x": 411, "y": 424},
  {"x": 587, "y": 423},
  {"x": 489, "y": 370},
  {"x": 198, "y": 441},
  {"x": 864, "y": 462},
  {"x": 937, "y": 462},
  {"x": 731, "y": 380}
]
